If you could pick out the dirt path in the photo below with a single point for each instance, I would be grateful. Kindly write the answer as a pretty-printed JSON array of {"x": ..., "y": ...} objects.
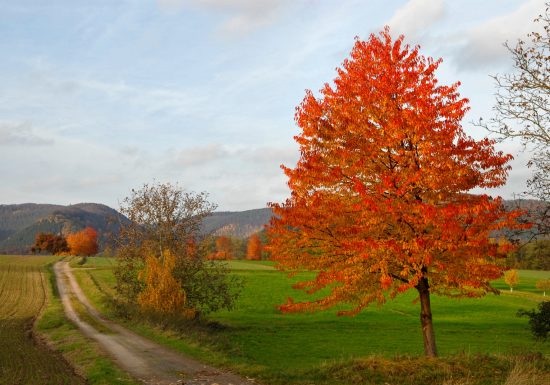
[{"x": 145, "y": 360}]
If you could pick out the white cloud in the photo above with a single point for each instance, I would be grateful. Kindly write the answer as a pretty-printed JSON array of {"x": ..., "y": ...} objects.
[
  {"x": 21, "y": 133},
  {"x": 483, "y": 44},
  {"x": 416, "y": 16},
  {"x": 243, "y": 16},
  {"x": 273, "y": 156},
  {"x": 200, "y": 155}
]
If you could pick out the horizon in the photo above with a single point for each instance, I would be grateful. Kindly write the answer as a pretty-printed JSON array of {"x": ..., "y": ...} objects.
[{"x": 101, "y": 98}]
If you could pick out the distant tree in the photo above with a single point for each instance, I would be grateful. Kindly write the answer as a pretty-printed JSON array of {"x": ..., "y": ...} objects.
[
  {"x": 535, "y": 255},
  {"x": 380, "y": 197},
  {"x": 224, "y": 248},
  {"x": 254, "y": 248},
  {"x": 238, "y": 249},
  {"x": 51, "y": 243},
  {"x": 543, "y": 285},
  {"x": 511, "y": 277},
  {"x": 522, "y": 110},
  {"x": 266, "y": 254},
  {"x": 539, "y": 321},
  {"x": 164, "y": 223},
  {"x": 83, "y": 242}
]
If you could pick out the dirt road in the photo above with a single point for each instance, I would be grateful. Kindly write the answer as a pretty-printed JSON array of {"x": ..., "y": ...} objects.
[{"x": 143, "y": 359}]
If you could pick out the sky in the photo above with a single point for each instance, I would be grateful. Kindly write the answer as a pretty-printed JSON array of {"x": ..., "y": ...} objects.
[{"x": 99, "y": 97}]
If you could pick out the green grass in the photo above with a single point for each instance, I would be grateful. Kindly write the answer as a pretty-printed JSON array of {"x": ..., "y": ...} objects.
[
  {"x": 527, "y": 281},
  {"x": 258, "y": 340}
]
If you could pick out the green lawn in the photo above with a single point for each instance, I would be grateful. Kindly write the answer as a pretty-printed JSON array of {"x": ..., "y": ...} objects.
[{"x": 259, "y": 340}]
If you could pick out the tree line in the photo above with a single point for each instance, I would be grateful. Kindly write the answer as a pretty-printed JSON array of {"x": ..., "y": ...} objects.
[{"x": 83, "y": 243}]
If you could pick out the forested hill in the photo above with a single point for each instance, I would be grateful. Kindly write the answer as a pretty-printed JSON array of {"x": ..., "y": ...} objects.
[
  {"x": 19, "y": 224},
  {"x": 238, "y": 224}
]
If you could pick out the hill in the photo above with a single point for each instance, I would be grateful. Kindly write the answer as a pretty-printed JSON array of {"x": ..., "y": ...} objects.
[
  {"x": 19, "y": 224},
  {"x": 237, "y": 224}
]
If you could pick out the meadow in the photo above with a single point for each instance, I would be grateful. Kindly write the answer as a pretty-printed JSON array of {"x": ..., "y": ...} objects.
[{"x": 258, "y": 340}]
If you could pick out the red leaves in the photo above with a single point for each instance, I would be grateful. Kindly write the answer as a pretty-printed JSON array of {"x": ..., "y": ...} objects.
[
  {"x": 52, "y": 243},
  {"x": 385, "y": 172}
]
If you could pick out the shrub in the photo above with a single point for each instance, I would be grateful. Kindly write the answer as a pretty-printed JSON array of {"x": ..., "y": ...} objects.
[{"x": 539, "y": 321}]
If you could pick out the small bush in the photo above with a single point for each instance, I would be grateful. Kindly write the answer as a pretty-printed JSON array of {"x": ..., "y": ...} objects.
[{"x": 539, "y": 321}]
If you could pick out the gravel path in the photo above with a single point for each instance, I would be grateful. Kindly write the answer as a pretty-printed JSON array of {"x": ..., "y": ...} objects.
[{"x": 143, "y": 359}]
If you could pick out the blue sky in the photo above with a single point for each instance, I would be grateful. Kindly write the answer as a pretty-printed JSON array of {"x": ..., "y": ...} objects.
[{"x": 98, "y": 97}]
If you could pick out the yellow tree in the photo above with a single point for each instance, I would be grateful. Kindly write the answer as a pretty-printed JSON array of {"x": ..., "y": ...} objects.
[
  {"x": 163, "y": 293},
  {"x": 511, "y": 277},
  {"x": 544, "y": 285},
  {"x": 380, "y": 200}
]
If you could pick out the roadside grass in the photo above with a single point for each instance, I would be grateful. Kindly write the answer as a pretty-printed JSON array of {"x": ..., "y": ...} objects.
[
  {"x": 59, "y": 354},
  {"x": 82, "y": 353},
  {"x": 257, "y": 340}
]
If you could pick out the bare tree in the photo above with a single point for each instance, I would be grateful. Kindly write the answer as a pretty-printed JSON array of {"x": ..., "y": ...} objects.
[{"x": 522, "y": 110}]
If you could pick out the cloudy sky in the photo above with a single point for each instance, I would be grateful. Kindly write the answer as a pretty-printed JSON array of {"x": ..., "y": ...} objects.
[{"x": 98, "y": 97}]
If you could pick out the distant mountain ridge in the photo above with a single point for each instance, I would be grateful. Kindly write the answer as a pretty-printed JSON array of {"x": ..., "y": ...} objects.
[
  {"x": 20, "y": 223},
  {"x": 238, "y": 224}
]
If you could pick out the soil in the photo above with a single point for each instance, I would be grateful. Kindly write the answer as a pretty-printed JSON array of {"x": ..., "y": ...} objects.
[{"x": 144, "y": 359}]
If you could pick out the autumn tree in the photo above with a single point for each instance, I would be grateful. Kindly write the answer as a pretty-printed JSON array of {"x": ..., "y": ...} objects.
[
  {"x": 380, "y": 200},
  {"x": 543, "y": 285},
  {"x": 83, "y": 242},
  {"x": 51, "y": 243},
  {"x": 254, "y": 248},
  {"x": 166, "y": 220},
  {"x": 522, "y": 111},
  {"x": 223, "y": 248},
  {"x": 511, "y": 277},
  {"x": 162, "y": 293}
]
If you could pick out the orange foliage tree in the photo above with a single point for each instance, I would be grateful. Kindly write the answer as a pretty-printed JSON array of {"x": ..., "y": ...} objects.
[
  {"x": 379, "y": 197},
  {"x": 83, "y": 242},
  {"x": 223, "y": 249},
  {"x": 254, "y": 248}
]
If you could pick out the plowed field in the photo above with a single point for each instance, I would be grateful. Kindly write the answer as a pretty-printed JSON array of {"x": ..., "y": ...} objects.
[{"x": 23, "y": 294}]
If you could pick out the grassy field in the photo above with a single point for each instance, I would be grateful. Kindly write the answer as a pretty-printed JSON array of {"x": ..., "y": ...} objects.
[
  {"x": 26, "y": 292},
  {"x": 259, "y": 341}
]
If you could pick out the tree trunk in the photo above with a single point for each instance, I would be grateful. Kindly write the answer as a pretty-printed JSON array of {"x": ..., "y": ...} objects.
[{"x": 428, "y": 333}]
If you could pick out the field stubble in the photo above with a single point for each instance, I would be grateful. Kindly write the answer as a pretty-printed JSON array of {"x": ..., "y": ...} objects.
[{"x": 25, "y": 359}]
